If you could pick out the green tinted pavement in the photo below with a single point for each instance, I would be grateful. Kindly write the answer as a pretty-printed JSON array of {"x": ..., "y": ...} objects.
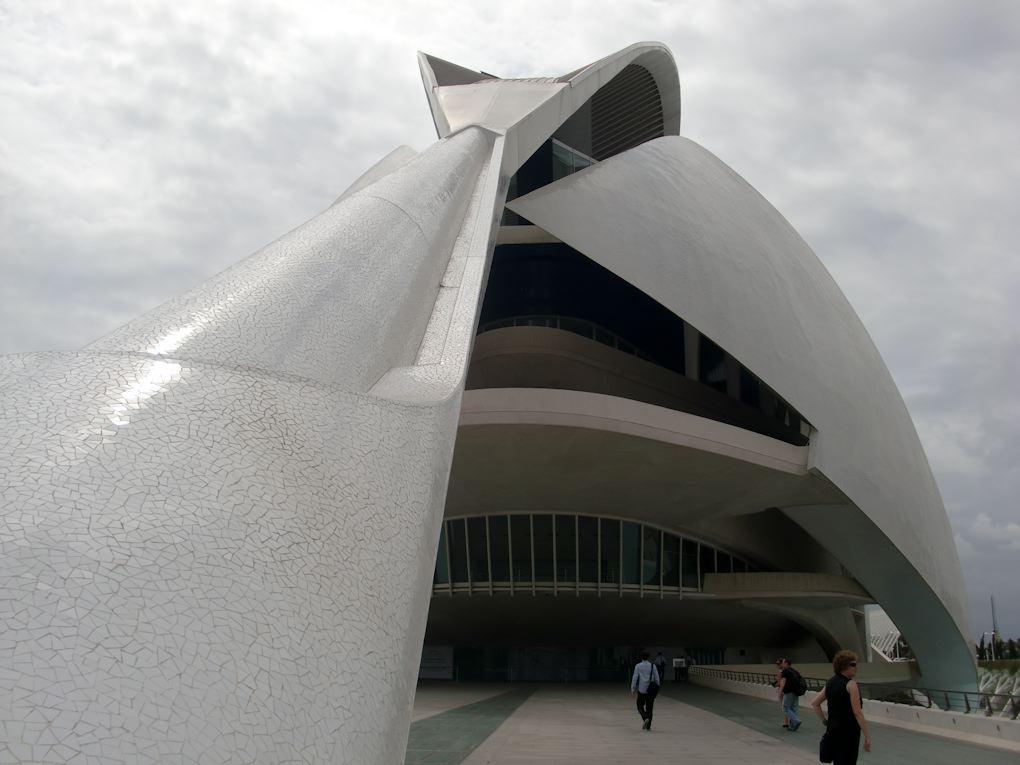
[{"x": 448, "y": 737}]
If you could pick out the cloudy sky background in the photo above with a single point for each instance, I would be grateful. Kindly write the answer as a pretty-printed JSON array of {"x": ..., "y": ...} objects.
[{"x": 146, "y": 146}]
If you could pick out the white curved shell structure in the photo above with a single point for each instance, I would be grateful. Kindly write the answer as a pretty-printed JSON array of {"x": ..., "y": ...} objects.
[{"x": 219, "y": 523}]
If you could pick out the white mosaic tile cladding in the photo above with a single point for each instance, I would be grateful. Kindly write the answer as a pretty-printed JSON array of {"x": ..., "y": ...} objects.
[
  {"x": 205, "y": 563},
  {"x": 215, "y": 545},
  {"x": 343, "y": 297}
]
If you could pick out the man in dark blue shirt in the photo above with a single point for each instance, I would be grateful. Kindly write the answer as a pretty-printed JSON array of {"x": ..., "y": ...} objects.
[{"x": 789, "y": 684}]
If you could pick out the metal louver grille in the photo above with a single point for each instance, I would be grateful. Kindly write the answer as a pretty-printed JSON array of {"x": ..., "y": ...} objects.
[{"x": 625, "y": 112}]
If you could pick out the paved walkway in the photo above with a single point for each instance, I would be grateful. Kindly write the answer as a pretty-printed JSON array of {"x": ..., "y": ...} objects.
[
  {"x": 554, "y": 724},
  {"x": 435, "y": 698},
  {"x": 449, "y": 737}
]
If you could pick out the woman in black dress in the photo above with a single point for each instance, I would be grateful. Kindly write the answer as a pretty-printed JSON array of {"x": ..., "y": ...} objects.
[{"x": 846, "y": 721}]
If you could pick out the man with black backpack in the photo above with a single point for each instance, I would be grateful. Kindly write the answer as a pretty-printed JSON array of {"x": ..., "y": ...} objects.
[
  {"x": 791, "y": 688},
  {"x": 645, "y": 684}
]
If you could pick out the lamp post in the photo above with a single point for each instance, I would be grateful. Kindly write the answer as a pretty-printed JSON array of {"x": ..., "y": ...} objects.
[{"x": 992, "y": 633}]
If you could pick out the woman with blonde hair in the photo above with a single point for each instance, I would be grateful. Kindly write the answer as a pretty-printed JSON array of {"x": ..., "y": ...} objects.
[{"x": 842, "y": 739}]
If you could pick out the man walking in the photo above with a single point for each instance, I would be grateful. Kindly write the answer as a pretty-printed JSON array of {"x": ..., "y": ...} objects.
[
  {"x": 645, "y": 683},
  {"x": 660, "y": 665},
  {"x": 790, "y": 692}
]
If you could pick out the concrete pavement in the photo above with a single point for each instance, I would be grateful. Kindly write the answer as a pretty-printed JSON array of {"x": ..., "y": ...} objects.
[{"x": 596, "y": 724}]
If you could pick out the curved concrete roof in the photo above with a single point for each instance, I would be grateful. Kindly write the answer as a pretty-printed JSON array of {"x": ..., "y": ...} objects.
[
  {"x": 675, "y": 221},
  {"x": 529, "y": 110}
]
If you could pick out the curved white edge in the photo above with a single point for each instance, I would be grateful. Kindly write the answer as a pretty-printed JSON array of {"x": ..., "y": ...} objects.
[
  {"x": 399, "y": 157},
  {"x": 342, "y": 298},
  {"x": 440, "y": 366},
  {"x": 653, "y": 56},
  {"x": 596, "y": 411},
  {"x": 676, "y": 222},
  {"x": 529, "y": 111},
  {"x": 430, "y": 83},
  {"x": 945, "y": 657}
]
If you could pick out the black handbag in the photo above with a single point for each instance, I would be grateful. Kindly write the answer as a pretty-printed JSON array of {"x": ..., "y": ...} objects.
[
  {"x": 653, "y": 687},
  {"x": 826, "y": 750}
]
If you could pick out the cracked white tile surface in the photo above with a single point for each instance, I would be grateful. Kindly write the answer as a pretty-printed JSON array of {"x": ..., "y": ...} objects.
[
  {"x": 215, "y": 545},
  {"x": 225, "y": 576}
]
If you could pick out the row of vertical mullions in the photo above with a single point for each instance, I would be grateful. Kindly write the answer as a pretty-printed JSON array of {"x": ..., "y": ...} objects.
[
  {"x": 641, "y": 561},
  {"x": 510, "y": 552},
  {"x": 488, "y": 549},
  {"x": 449, "y": 562},
  {"x": 662, "y": 557},
  {"x": 642, "y": 528},
  {"x": 619, "y": 572},
  {"x": 467, "y": 552},
  {"x": 577, "y": 555},
  {"x": 556, "y": 573},
  {"x": 531, "y": 529}
]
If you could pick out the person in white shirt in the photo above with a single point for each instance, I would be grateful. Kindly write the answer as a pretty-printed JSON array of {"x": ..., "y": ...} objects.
[{"x": 645, "y": 684}]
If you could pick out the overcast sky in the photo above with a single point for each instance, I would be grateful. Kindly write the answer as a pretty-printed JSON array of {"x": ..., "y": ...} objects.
[{"x": 146, "y": 146}]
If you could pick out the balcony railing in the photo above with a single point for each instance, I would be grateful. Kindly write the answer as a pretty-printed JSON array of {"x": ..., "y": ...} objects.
[
  {"x": 966, "y": 702},
  {"x": 581, "y": 327}
]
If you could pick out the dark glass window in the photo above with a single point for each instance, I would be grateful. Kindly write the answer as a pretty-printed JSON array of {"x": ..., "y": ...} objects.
[
  {"x": 577, "y": 326},
  {"x": 511, "y": 218},
  {"x": 724, "y": 563},
  {"x": 707, "y": 560},
  {"x": 750, "y": 393},
  {"x": 442, "y": 568},
  {"x": 555, "y": 281},
  {"x": 562, "y": 161},
  {"x": 458, "y": 550},
  {"x": 588, "y": 549},
  {"x": 781, "y": 411},
  {"x": 478, "y": 546},
  {"x": 650, "y": 564},
  {"x": 566, "y": 552},
  {"x": 712, "y": 364},
  {"x": 739, "y": 565},
  {"x": 690, "y": 563},
  {"x": 610, "y": 531},
  {"x": 511, "y": 192},
  {"x": 499, "y": 548},
  {"x": 671, "y": 561},
  {"x": 543, "y": 530},
  {"x": 520, "y": 539},
  {"x": 631, "y": 552}
]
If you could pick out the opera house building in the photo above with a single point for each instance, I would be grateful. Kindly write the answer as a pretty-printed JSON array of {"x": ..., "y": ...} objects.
[{"x": 556, "y": 388}]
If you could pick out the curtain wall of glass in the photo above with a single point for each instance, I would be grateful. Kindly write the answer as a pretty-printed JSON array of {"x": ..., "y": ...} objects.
[
  {"x": 528, "y": 552},
  {"x": 551, "y": 285}
]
